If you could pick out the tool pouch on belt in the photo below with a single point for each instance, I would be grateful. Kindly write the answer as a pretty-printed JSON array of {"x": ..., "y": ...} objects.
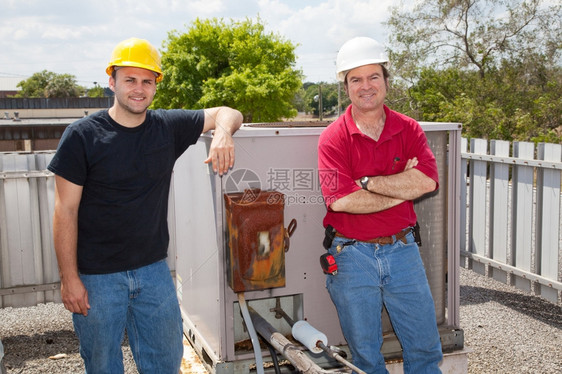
[
  {"x": 257, "y": 239},
  {"x": 417, "y": 235},
  {"x": 329, "y": 235}
]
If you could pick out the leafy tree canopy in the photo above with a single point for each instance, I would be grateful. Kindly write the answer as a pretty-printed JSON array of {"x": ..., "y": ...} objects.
[
  {"x": 329, "y": 92},
  {"x": 476, "y": 34},
  {"x": 48, "y": 84},
  {"x": 493, "y": 65},
  {"x": 96, "y": 91},
  {"x": 236, "y": 64}
]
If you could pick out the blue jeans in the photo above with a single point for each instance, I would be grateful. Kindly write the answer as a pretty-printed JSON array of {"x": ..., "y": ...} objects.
[
  {"x": 370, "y": 275},
  {"x": 141, "y": 301}
]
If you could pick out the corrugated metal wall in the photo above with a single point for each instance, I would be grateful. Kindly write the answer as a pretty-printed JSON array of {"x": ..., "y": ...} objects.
[{"x": 27, "y": 258}]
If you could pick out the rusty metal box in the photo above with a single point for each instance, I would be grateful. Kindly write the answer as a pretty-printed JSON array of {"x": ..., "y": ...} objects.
[{"x": 255, "y": 240}]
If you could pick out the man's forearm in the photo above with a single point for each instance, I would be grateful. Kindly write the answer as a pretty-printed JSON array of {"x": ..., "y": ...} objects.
[
  {"x": 65, "y": 233},
  {"x": 384, "y": 192},
  {"x": 223, "y": 119},
  {"x": 408, "y": 185},
  {"x": 363, "y": 202},
  {"x": 229, "y": 119}
]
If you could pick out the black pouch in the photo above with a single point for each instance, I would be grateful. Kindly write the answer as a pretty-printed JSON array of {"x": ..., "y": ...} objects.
[
  {"x": 417, "y": 235},
  {"x": 329, "y": 235}
]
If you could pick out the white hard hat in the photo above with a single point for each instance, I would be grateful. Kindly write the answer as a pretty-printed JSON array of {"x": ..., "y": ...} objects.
[{"x": 358, "y": 52}]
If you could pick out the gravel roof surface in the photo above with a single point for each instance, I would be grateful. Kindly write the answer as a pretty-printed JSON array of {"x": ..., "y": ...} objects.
[{"x": 506, "y": 330}]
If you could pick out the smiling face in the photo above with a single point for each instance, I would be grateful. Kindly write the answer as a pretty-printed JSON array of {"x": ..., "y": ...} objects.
[
  {"x": 366, "y": 87},
  {"x": 134, "y": 90}
]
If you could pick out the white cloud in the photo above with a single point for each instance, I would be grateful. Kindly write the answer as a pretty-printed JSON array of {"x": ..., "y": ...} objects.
[
  {"x": 61, "y": 32},
  {"x": 322, "y": 28},
  {"x": 77, "y": 36},
  {"x": 274, "y": 9}
]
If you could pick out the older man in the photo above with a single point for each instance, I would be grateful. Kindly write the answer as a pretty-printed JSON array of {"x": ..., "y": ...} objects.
[{"x": 377, "y": 161}]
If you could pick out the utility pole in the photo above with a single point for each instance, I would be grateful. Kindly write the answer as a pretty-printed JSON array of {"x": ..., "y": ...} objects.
[
  {"x": 320, "y": 106},
  {"x": 339, "y": 98}
]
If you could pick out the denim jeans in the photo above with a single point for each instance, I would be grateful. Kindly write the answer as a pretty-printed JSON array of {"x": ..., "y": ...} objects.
[
  {"x": 144, "y": 303},
  {"x": 370, "y": 275}
]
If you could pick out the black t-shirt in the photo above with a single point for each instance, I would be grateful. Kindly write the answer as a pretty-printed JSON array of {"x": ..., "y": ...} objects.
[{"x": 125, "y": 174}]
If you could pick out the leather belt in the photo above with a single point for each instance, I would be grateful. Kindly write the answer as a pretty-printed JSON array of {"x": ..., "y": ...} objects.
[{"x": 386, "y": 239}]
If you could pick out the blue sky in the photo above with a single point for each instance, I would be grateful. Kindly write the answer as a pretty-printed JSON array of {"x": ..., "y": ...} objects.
[{"x": 77, "y": 36}]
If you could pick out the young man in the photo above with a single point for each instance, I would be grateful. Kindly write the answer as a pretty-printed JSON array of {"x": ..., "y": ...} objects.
[
  {"x": 113, "y": 171},
  {"x": 381, "y": 162}
]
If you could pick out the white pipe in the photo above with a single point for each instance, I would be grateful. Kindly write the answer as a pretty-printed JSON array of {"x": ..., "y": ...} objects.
[
  {"x": 252, "y": 332},
  {"x": 308, "y": 336}
]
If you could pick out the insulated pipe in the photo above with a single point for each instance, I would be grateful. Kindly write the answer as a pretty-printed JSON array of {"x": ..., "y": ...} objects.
[
  {"x": 316, "y": 342},
  {"x": 296, "y": 357},
  {"x": 313, "y": 339},
  {"x": 309, "y": 336},
  {"x": 339, "y": 358}
]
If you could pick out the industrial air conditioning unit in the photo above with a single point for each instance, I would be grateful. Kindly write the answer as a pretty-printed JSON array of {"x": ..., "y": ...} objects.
[{"x": 254, "y": 236}]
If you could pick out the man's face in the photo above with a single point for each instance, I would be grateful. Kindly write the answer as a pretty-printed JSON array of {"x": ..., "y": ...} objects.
[
  {"x": 366, "y": 86},
  {"x": 134, "y": 88}
]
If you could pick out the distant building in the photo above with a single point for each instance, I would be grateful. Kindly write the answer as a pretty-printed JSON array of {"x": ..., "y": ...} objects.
[
  {"x": 9, "y": 86},
  {"x": 56, "y": 107},
  {"x": 36, "y": 124},
  {"x": 27, "y": 135}
]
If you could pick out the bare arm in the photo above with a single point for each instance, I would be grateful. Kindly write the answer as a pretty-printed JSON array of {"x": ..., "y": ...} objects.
[
  {"x": 225, "y": 121},
  {"x": 65, "y": 232},
  {"x": 407, "y": 185},
  {"x": 363, "y": 202},
  {"x": 386, "y": 191}
]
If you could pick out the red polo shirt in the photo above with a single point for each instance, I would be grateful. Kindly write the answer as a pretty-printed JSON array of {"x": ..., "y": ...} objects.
[{"x": 345, "y": 154}]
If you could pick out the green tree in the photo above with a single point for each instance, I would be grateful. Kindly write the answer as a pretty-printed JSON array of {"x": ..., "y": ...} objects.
[
  {"x": 49, "y": 84},
  {"x": 506, "y": 105},
  {"x": 490, "y": 64},
  {"x": 299, "y": 100},
  {"x": 329, "y": 97},
  {"x": 476, "y": 34},
  {"x": 96, "y": 91},
  {"x": 236, "y": 64}
]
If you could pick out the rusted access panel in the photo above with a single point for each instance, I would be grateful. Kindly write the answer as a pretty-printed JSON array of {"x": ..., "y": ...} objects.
[{"x": 256, "y": 239}]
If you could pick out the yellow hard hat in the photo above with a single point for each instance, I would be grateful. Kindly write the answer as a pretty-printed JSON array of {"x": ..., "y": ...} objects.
[{"x": 138, "y": 53}]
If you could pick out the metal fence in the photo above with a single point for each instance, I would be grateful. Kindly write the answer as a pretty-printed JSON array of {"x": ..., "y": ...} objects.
[
  {"x": 510, "y": 220},
  {"x": 511, "y": 213},
  {"x": 28, "y": 265}
]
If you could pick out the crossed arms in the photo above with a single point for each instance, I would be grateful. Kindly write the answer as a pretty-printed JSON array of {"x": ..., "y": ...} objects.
[{"x": 386, "y": 191}]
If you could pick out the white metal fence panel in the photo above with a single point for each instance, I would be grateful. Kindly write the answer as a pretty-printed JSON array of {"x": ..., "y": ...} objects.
[
  {"x": 28, "y": 262},
  {"x": 523, "y": 212},
  {"x": 548, "y": 219},
  {"x": 464, "y": 201},
  {"x": 499, "y": 213},
  {"x": 478, "y": 190},
  {"x": 513, "y": 214}
]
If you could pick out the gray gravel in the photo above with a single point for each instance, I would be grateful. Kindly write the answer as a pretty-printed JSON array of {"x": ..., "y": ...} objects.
[
  {"x": 35, "y": 338},
  {"x": 506, "y": 330}
]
